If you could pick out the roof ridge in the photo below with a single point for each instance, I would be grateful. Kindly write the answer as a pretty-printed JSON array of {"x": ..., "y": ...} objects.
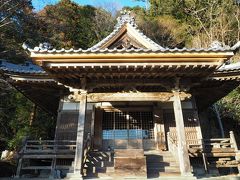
[{"x": 106, "y": 50}]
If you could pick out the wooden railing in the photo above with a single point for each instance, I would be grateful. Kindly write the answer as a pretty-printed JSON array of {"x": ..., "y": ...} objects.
[
  {"x": 49, "y": 149},
  {"x": 207, "y": 145},
  {"x": 86, "y": 147},
  {"x": 216, "y": 147},
  {"x": 48, "y": 146},
  {"x": 233, "y": 142},
  {"x": 235, "y": 146}
]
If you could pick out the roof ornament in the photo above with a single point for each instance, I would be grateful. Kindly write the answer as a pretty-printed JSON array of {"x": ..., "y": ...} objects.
[
  {"x": 25, "y": 46},
  {"x": 43, "y": 47},
  {"x": 126, "y": 17},
  {"x": 216, "y": 45}
]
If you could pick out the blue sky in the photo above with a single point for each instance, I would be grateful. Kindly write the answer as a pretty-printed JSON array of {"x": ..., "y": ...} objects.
[{"x": 107, "y": 4}]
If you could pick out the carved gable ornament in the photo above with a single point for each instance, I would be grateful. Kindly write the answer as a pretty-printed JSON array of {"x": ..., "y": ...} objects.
[{"x": 126, "y": 36}]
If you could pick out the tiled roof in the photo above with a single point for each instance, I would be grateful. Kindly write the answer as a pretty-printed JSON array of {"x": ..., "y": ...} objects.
[
  {"x": 27, "y": 68},
  {"x": 165, "y": 50}
]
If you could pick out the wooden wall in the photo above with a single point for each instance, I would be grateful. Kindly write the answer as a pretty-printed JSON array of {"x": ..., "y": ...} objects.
[
  {"x": 66, "y": 128},
  {"x": 163, "y": 117},
  {"x": 190, "y": 123}
]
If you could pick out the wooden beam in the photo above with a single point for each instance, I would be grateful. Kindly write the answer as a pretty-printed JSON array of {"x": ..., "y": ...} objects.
[
  {"x": 123, "y": 56},
  {"x": 130, "y": 96},
  {"x": 54, "y": 66}
]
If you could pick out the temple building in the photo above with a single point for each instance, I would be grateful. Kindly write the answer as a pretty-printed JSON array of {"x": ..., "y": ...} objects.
[{"x": 127, "y": 107}]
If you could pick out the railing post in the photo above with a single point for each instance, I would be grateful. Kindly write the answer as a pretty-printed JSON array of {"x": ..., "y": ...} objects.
[
  {"x": 18, "y": 172},
  {"x": 234, "y": 145},
  {"x": 53, "y": 165},
  {"x": 204, "y": 156},
  {"x": 19, "y": 168},
  {"x": 233, "y": 141},
  {"x": 87, "y": 147},
  {"x": 170, "y": 144}
]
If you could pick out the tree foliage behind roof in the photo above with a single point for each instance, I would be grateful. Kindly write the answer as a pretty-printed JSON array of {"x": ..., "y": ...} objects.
[
  {"x": 65, "y": 24},
  {"x": 207, "y": 20},
  {"x": 15, "y": 22},
  {"x": 71, "y": 25}
]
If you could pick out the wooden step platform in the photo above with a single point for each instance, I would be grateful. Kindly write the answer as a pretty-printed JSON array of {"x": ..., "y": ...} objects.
[
  {"x": 129, "y": 162},
  {"x": 161, "y": 164}
]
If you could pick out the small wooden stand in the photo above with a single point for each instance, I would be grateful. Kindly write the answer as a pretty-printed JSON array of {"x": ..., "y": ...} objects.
[{"x": 130, "y": 162}]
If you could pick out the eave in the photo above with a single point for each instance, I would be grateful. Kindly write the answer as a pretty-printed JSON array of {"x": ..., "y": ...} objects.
[{"x": 170, "y": 57}]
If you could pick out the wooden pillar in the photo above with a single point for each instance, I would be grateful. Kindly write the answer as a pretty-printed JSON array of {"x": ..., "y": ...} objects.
[
  {"x": 196, "y": 117},
  {"x": 98, "y": 128},
  {"x": 80, "y": 133},
  {"x": 60, "y": 107},
  {"x": 184, "y": 160},
  {"x": 199, "y": 134},
  {"x": 159, "y": 130},
  {"x": 92, "y": 125}
]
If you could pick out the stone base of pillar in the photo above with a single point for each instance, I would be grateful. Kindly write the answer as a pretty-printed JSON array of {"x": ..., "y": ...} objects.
[
  {"x": 189, "y": 174},
  {"x": 74, "y": 176}
]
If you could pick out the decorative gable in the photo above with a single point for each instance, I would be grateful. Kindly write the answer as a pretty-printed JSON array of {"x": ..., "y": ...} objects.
[
  {"x": 125, "y": 41},
  {"x": 126, "y": 36}
]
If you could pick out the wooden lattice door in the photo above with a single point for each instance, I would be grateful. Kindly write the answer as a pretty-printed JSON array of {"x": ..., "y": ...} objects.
[{"x": 128, "y": 129}]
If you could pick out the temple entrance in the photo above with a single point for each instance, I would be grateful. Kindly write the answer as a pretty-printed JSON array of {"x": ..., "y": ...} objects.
[{"x": 128, "y": 130}]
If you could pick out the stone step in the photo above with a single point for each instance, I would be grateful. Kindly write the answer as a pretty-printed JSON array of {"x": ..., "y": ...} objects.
[
  {"x": 170, "y": 162},
  {"x": 71, "y": 168},
  {"x": 161, "y": 164},
  {"x": 97, "y": 159},
  {"x": 163, "y": 169},
  {"x": 160, "y": 155},
  {"x": 160, "y": 159},
  {"x": 48, "y": 156},
  {"x": 114, "y": 176},
  {"x": 169, "y": 174},
  {"x": 155, "y": 152},
  {"x": 174, "y": 176},
  {"x": 99, "y": 170},
  {"x": 165, "y": 153},
  {"x": 73, "y": 176},
  {"x": 101, "y": 157},
  {"x": 158, "y": 175},
  {"x": 100, "y": 164},
  {"x": 100, "y": 153}
]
